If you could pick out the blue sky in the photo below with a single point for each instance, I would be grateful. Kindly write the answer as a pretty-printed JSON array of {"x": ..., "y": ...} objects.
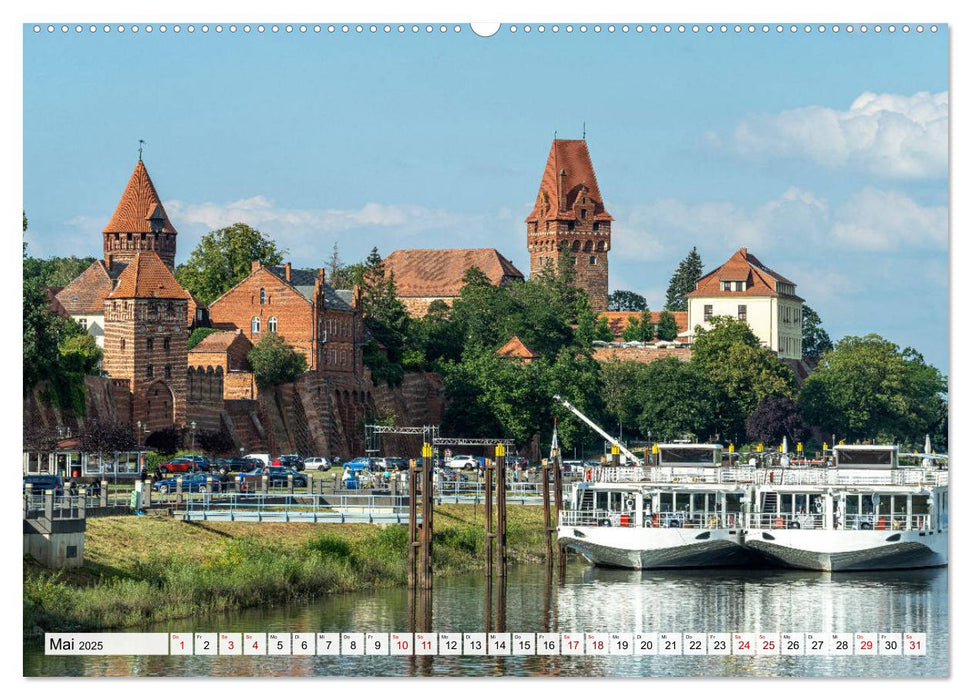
[{"x": 825, "y": 155}]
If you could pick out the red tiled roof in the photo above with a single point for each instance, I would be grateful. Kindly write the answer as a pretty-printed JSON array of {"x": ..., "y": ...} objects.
[
  {"x": 86, "y": 293},
  {"x": 138, "y": 205},
  {"x": 760, "y": 280},
  {"x": 617, "y": 321},
  {"x": 219, "y": 342},
  {"x": 53, "y": 305},
  {"x": 439, "y": 273},
  {"x": 572, "y": 159},
  {"x": 516, "y": 349},
  {"x": 146, "y": 277}
]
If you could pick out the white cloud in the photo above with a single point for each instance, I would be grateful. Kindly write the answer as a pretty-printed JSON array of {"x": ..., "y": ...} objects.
[
  {"x": 896, "y": 136},
  {"x": 883, "y": 220}
]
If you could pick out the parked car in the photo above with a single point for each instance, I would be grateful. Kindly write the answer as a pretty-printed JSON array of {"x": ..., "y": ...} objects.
[
  {"x": 292, "y": 461},
  {"x": 462, "y": 462},
  {"x": 263, "y": 457},
  {"x": 359, "y": 463},
  {"x": 316, "y": 463},
  {"x": 38, "y": 483},
  {"x": 178, "y": 464},
  {"x": 397, "y": 464},
  {"x": 253, "y": 479},
  {"x": 194, "y": 483},
  {"x": 202, "y": 463}
]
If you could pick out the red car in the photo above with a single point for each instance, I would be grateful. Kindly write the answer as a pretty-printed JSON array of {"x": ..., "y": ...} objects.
[{"x": 179, "y": 464}]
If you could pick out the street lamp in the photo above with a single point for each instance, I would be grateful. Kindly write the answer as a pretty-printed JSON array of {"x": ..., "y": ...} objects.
[{"x": 192, "y": 446}]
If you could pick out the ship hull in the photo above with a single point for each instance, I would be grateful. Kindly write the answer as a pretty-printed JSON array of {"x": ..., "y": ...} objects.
[
  {"x": 849, "y": 550},
  {"x": 657, "y": 548}
]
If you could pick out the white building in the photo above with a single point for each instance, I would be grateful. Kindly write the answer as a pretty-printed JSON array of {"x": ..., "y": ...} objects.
[{"x": 745, "y": 289}]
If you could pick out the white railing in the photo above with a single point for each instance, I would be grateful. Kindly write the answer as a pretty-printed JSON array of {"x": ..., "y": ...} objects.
[
  {"x": 815, "y": 521},
  {"x": 660, "y": 519},
  {"x": 798, "y": 476}
]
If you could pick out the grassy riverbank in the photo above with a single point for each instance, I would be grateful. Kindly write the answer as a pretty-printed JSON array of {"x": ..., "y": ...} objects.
[{"x": 152, "y": 568}]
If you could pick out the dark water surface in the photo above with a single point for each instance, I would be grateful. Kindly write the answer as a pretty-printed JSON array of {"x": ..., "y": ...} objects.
[{"x": 585, "y": 599}]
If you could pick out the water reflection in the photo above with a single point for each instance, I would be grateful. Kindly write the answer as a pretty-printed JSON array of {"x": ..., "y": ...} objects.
[{"x": 582, "y": 598}]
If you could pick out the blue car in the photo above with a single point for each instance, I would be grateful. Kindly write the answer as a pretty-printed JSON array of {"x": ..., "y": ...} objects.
[
  {"x": 359, "y": 463},
  {"x": 196, "y": 483}
]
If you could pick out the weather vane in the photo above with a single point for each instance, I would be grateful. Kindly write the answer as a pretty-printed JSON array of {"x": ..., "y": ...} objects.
[
  {"x": 140, "y": 143},
  {"x": 584, "y": 131}
]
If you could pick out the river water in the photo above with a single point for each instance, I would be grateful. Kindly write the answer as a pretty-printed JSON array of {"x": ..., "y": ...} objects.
[{"x": 583, "y": 599}]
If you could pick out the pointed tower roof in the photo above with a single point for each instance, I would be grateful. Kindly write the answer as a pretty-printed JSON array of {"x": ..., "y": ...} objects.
[
  {"x": 517, "y": 349},
  {"x": 139, "y": 205},
  {"x": 148, "y": 277},
  {"x": 568, "y": 170}
]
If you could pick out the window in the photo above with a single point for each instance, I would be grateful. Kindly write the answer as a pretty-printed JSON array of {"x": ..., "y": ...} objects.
[
  {"x": 198, "y": 314},
  {"x": 271, "y": 324},
  {"x": 165, "y": 344},
  {"x": 740, "y": 286},
  {"x": 593, "y": 259},
  {"x": 573, "y": 259},
  {"x": 569, "y": 226},
  {"x": 149, "y": 371},
  {"x": 84, "y": 322},
  {"x": 255, "y": 325},
  {"x": 726, "y": 286},
  {"x": 262, "y": 295},
  {"x": 583, "y": 214},
  {"x": 168, "y": 371},
  {"x": 122, "y": 343},
  {"x": 149, "y": 344},
  {"x": 596, "y": 226},
  {"x": 707, "y": 312},
  {"x": 742, "y": 312}
]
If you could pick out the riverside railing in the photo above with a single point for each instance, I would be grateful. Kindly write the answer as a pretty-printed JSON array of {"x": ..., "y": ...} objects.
[
  {"x": 259, "y": 507},
  {"x": 657, "y": 519}
]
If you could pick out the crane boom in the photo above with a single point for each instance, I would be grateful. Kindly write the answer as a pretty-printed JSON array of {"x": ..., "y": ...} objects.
[{"x": 599, "y": 430}]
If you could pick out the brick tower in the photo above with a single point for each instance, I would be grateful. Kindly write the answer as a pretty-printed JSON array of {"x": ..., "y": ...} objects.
[
  {"x": 145, "y": 341},
  {"x": 569, "y": 213},
  {"x": 139, "y": 223}
]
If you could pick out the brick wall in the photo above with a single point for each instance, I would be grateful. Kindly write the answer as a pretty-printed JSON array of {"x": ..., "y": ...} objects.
[
  {"x": 585, "y": 245},
  {"x": 341, "y": 354},
  {"x": 645, "y": 355},
  {"x": 204, "y": 401},
  {"x": 239, "y": 385},
  {"x": 145, "y": 343},
  {"x": 292, "y": 311}
]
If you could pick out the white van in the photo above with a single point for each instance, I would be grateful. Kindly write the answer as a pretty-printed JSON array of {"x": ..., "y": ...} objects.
[{"x": 262, "y": 456}]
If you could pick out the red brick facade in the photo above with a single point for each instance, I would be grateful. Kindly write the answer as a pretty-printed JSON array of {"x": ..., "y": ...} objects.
[
  {"x": 300, "y": 307},
  {"x": 569, "y": 214}
]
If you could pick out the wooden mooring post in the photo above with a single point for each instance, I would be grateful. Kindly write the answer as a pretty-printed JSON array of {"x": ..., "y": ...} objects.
[
  {"x": 412, "y": 524},
  {"x": 501, "y": 506},
  {"x": 547, "y": 512},
  {"x": 558, "y": 503},
  {"x": 427, "y": 509},
  {"x": 489, "y": 533}
]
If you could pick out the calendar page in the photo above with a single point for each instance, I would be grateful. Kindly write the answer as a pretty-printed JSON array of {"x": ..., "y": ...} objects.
[{"x": 370, "y": 348}]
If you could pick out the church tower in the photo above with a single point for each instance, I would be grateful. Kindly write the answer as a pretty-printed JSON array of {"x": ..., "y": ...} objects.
[
  {"x": 569, "y": 213},
  {"x": 139, "y": 223}
]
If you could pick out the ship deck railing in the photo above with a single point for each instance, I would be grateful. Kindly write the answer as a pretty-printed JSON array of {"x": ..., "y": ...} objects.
[
  {"x": 657, "y": 519},
  {"x": 767, "y": 476},
  {"x": 816, "y": 521}
]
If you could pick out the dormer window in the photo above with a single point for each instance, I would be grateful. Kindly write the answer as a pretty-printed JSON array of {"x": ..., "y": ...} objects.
[
  {"x": 726, "y": 286},
  {"x": 583, "y": 214}
]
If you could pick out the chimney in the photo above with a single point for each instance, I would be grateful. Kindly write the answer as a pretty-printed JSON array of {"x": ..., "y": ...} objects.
[
  {"x": 286, "y": 271},
  {"x": 255, "y": 265},
  {"x": 561, "y": 194},
  {"x": 320, "y": 275},
  {"x": 108, "y": 257}
]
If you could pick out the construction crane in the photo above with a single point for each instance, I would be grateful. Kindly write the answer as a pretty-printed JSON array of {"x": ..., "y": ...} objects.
[{"x": 613, "y": 441}]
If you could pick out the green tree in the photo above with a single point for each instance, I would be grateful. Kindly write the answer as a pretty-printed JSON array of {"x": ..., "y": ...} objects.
[
  {"x": 54, "y": 272},
  {"x": 774, "y": 418},
  {"x": 625, "y": 300},
  {"x": 223, "y": 258},
  {"x": 739, "y": 370},
  {"x": 867, "y": 387},
  {"x": 386, "y": 320},
  {"x": 633, "y": 330},
  {"x": 274, "y": 361},
  {"x": 815, "y": 340},
  {"x": 620, "y": 387},
  {"x": 602, "y": 331},
  {"x": 683, "y": 281},
  {"x": 675, "y": 400},
  {"x": 646, "y": 325},
  {"x": 43, "y": 330},
  {"x": 667, "y": 326}
]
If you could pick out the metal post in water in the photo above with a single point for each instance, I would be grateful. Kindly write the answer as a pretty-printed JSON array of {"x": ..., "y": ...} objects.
[{"x": 427, "y": 505}]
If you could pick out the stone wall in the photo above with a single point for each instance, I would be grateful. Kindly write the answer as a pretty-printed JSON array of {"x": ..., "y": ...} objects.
[
  {"x": 204, "y": 401},
  {"x": 645, "y": 355}
]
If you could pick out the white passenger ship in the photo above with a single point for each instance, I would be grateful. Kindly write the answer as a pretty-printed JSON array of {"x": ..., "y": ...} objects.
[
  {"x": 685, "y": 512},
  {"x": 864, "y": 512}
]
